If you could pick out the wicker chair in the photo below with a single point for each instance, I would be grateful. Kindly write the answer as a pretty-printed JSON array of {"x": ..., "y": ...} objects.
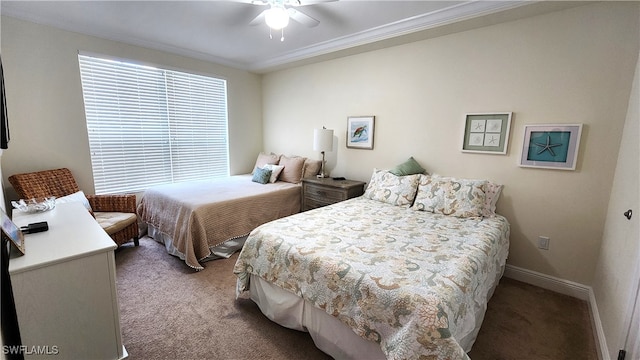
[{"x": 115, "y": 213}]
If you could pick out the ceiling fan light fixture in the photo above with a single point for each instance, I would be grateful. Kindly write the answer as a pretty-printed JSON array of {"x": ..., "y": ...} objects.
[{"x": 276, "y": 17}]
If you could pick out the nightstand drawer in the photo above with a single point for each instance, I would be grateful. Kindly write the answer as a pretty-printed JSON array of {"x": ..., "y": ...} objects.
[
  {"x": 315, "y": 203},
  {"x": 321, "y": 192}
]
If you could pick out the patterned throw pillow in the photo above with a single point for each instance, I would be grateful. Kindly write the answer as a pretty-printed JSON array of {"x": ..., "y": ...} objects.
[
  {"x": 451, "y": 196},
  {"x": 261, "y": 175},
  {"x": 275, "y": 171},
  {"x": 389, "y": 188}
]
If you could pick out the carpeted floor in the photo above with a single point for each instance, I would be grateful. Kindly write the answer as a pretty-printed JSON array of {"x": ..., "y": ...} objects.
[
  {"x": 528, "y": 322},
  {"x": 168, "y": 311}
]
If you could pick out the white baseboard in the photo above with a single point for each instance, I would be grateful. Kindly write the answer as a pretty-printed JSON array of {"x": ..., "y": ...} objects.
[
  {"x": 566, "y": 287},
  {"x": 601, "y": 344},
  {"x": 548, "y": 282}
]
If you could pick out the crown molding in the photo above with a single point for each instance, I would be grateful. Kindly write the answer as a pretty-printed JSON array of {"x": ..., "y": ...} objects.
[
  {"x": 449, "y": 15},
  {"x": 455, "y": 13}
]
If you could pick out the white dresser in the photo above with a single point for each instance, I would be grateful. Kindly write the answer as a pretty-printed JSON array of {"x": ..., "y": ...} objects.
[{"x": 65, "y": 287}]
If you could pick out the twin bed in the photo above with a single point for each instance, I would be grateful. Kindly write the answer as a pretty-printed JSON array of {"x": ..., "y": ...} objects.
[
  {"x": 194, "y": 219},
  {"x": 404, "y": 271},
  {"x": 203, "y": 220}
]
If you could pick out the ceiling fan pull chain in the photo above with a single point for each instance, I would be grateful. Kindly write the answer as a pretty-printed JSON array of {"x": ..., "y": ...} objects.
[
  {"x": 270, "y": 36},
  {"x": 282, "y": 38}
]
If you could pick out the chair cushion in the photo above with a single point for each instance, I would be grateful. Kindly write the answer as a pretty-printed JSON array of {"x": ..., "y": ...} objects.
[{"x": 112, "y": 222}]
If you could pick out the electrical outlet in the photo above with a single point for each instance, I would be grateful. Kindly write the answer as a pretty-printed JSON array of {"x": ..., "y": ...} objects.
[{"x": 543, "y": 242}]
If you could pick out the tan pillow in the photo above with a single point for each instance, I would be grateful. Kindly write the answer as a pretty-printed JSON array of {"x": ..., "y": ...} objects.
[
  {"x": 264, "y": 159},
  {"x": 311, "y": 168},
  {"x": 292, "y": 171}
]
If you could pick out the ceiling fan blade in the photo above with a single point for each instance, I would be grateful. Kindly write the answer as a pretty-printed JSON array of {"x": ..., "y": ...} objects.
[
  {"x": 307, "y": 2},
  {"x": 253, "y": 2},
  {"x": 302, "y": 18},
  {"x": 258, "y": 19}
]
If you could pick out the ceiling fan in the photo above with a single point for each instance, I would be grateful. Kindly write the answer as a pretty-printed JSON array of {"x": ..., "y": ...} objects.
[{"x": 280, "y": 11}]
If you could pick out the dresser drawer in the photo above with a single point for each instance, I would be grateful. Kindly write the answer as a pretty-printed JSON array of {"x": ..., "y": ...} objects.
[{"x": 324, "y": 194}]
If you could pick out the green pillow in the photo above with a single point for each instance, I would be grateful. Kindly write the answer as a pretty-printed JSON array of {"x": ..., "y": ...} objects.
[
  {"x": 408, "y": 167},
  {"x": 261, "y": 175}
]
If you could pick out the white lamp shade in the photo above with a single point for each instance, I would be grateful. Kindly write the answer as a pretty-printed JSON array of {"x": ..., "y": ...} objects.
[
  {"x": 276, "y": 17},
  {"x": 322, "y": 140}
]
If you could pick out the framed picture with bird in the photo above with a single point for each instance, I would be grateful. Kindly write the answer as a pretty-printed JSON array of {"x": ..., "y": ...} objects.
[{"x": 360, "y": 132}]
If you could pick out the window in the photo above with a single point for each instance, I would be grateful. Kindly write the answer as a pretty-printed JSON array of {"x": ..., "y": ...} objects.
[{"x": 150, "y": 126}]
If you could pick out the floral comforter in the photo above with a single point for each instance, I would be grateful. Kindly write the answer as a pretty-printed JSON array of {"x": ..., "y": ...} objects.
[{"x": 409, "y": 280}]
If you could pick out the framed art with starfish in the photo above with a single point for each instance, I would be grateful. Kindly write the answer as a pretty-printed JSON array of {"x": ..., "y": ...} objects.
[
  {"x": 551, "y": 146},
  {"x": 487, "y": 133}
]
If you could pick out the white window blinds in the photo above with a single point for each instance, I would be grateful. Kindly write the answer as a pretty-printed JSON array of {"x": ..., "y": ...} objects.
[{"x": 150, "y": 126}]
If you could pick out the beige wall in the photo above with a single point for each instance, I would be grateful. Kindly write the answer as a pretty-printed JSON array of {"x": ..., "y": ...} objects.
[
  {"x": 46, "y": 109},
  {"x": 618, "y": 268},
  {"x": 572, "y": 66}
]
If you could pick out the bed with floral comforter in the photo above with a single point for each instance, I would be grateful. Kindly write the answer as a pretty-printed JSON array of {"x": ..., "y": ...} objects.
[{"x": 414, "y": 282}]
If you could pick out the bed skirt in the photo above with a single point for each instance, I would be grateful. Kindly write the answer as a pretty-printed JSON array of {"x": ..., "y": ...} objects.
[
  {"x": 220, "y": 251},
  {"x": 328, "y": 333}
]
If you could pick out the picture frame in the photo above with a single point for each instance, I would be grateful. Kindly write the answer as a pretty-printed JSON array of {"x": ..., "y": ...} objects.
[
  {"x": 11, "y": 232},
  {"x": 551, "y": 146},
  {"x": 487, "y": 133},
  {"x": 360, "y": 132}
]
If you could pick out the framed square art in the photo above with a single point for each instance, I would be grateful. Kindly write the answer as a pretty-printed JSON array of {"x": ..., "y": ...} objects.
[
  {"x": 360, "y": 132},
  {"x": 487, "y": 133},
  {"x": 551, "y": 146}
]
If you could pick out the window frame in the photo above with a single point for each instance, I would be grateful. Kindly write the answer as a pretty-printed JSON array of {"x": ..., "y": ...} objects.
[{"x": 160, "y": 116}]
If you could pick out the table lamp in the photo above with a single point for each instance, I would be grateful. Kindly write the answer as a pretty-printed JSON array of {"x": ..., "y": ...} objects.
[{"x": 322, "y": 141}]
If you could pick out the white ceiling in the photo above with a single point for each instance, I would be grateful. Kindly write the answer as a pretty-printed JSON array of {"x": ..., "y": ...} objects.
[{"x": 219, "y": 31}]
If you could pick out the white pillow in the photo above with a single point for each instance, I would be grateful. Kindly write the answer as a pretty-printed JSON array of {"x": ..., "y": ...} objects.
[
  {"x": 75, "y": 197},
  {"x": 275, "y": 171}
]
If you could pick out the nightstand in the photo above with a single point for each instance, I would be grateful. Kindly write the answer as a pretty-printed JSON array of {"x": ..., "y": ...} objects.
[{"x": 319, "y": 192}]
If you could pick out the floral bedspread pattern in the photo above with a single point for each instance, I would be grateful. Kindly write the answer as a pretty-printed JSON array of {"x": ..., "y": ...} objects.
[{"x": 408, "y": 280}]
